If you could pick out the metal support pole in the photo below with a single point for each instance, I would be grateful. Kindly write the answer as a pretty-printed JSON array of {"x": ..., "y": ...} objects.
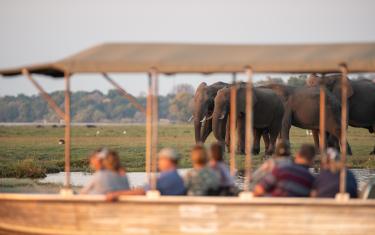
[
  {"x": 322, "y": 120},
  {"x": 155, "y": 119},
  {"x": 67, "y": 130},
  {"x": 125, "y": 94},
  {"x": 249, "y": 127},
  {"x": 344, "y": 122},
  {"x": 232, "y": 127}
]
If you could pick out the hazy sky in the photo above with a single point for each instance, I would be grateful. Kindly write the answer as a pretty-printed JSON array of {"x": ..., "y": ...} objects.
[{"x": 35, "y": 31}]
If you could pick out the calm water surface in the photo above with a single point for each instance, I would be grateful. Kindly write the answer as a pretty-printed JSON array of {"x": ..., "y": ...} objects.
[{"x": 139, "y": 178}]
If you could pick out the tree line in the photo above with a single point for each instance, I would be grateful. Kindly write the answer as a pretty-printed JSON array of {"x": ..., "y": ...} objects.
[{"x": 96, "y": 106}]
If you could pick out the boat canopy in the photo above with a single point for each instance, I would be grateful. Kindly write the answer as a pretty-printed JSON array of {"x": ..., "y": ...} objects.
[{"x": 171, "y": 58}]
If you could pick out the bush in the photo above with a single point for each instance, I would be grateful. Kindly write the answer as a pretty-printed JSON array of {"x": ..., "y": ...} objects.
[{"x": 28, "y": 169}]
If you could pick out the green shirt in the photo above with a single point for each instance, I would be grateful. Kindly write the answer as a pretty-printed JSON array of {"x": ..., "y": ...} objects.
[{"x": 201, "y": 182}]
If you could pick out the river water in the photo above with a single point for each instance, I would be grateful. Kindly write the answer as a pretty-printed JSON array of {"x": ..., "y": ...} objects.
[{"x": 139, "y": 178}]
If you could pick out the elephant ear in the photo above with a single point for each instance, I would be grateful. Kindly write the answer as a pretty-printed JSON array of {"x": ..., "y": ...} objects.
[
  {"x": 202, "y": 86},
  {"x": 337, "y": 87}
]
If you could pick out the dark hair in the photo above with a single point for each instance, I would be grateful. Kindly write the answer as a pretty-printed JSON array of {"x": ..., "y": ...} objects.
[
  {"x": 112, "y": 161},
  {"x": 203, "y": 159},
  {"x": 282, "y": 149},
  {"x": 217, "y": 151},
  {"x": 307, "y": 151}
]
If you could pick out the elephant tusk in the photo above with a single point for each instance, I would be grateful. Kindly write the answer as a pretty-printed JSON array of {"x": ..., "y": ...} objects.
[
  {"x": 204, "y": 119},
  {"x": 209, "y": 118},
  {"x": 222, "y": 117},
  {"x": 191, "y": 118}
]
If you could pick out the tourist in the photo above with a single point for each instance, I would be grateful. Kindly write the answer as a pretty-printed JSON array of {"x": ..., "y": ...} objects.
[
  {"x": 227, "y": 186},
  {"x": 290, "y": 180},
  {"x": 112, "y": 163},
  {"x": 281, "y": 157},
  {"x": 201, "y": 180},
  {"x": 327, "y": 184},
  {"x": 169, "y": 182},
  {"x": 104, "y": 179}
]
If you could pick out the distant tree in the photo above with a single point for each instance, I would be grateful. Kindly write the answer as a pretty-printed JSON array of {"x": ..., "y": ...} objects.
[
  {"x": 181, "y": 107},
  {"x": 183, "y": 88},
  {"x": 269, "y": 80},
  {"x": 297, "y": 81}
]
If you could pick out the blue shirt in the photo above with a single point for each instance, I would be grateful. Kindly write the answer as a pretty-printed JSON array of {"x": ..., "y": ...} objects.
[
  {"x": 327, "y": 184},
  {"x": 169, "y": 183}
]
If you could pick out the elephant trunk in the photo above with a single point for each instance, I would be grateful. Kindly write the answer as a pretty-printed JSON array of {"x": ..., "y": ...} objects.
[
  {"x": 198, "y": 116},
  {"x": 219, "y": 125}
]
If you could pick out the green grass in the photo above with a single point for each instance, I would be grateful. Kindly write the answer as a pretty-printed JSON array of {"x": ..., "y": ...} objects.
[{"x": 27, "y": 151}]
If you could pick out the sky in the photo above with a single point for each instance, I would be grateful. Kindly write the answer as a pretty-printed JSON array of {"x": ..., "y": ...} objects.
[{"x": 37, "y": 31}]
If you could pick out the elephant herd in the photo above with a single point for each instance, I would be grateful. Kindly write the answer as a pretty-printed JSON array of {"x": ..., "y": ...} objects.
[{"x": 277, "y": 107}]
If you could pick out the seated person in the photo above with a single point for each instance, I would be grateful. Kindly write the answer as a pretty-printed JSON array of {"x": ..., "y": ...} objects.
[
  {"x": 290, "y": 180},
  {"x": 282, "y": 156},
  {"x": 112, "y": 163},
  {"x": 201, "y": 180},
  {"x": 227, "y": 186},
  {"x": 106, "y": 178},
  {"x": 169, "y": 181},
  {"x": 327, "y": 183}
]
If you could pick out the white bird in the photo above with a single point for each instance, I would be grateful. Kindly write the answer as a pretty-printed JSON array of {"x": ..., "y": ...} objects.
[
  {"x": 97, "y": 132},
  {"x": 124, "y": 132}
]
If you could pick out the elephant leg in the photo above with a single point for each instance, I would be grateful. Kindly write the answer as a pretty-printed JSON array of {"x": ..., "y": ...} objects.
[
  {"x": 241, "y": 131},
  {"x": 256, "y": 141},
  {"x": 206, "y": 131},
  {"x": 266, "y": 140},
  {"x": 227, "y": 135},
  {"x": 286, "y": 123},
  {"x": 337, "y": 133},
  {"x": 274, "y": 132}
]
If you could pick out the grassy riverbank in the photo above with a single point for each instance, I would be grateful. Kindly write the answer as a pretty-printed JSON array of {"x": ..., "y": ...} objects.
[{"x": 28, "y": 151}]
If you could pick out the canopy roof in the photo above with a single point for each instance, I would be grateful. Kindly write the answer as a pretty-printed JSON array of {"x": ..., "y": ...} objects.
[{"x": 214, "y": 58}]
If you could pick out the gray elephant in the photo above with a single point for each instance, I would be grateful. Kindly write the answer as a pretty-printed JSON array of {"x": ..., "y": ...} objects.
[
  {"x": 284, "y": 92},
  {"x": 268, "y": 111},
  {"x": 361, "y": 99},
  {"x": 203, "y": 108},
  {"x": 302, "y": 110}
]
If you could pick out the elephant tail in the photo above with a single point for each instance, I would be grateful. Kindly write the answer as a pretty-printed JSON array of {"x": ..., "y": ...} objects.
[{"x": 287, "y": 120}]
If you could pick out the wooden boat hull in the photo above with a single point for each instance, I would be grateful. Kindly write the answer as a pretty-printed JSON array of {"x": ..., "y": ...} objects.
[{"x": 53, "y": 214}]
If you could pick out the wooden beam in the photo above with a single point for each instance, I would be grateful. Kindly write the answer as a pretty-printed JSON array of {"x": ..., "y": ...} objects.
[
  {"x": 67, "y": 130},
  {"x": 344, "y": 123},
  {"x": 249, "y": 127},
  {"x": 125, "y": 94},
  {"x": 322, "y": 120},
  {"x": 154, "y": 118},
  {"x": 149, "y": 128},
  {"x": 232, "y": 125},
  {"x": 44, "y": 95}
]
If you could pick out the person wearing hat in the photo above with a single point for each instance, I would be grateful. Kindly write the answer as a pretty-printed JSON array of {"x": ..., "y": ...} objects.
[
  {"x": 281, "y": 157},
  {"x": 169, "y": 182},
  {"x": 328, "y": 181}
]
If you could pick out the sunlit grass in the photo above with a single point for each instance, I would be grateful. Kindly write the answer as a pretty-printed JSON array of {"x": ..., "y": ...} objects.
[{"x": 38, "y": 147}]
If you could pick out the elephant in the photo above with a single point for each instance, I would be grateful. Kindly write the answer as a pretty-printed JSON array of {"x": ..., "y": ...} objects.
[
  {"x": 268, "y": 111},
  {"x": 361, "y": 98},
  {"x": 203, "y": 108},
  {"x": 302, "y": 110},
  {"x": 284, "y": 92}
]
